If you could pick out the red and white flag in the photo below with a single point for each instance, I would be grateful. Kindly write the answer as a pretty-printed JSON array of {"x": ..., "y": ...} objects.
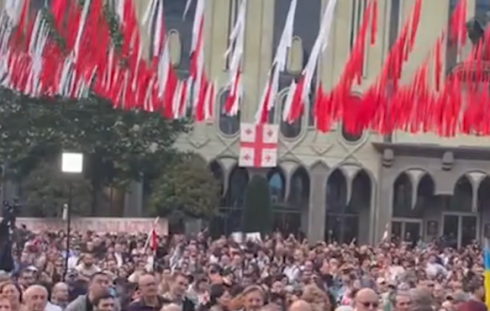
[
  {"x": 278, "y": 65},
  {"x": 301, "y": 89},
  {"x": 235, "y": 55},
  {"x": 258, "y": 145},
  {"x": 152, "y": 240},
  {"x": 197, "y": 76}
]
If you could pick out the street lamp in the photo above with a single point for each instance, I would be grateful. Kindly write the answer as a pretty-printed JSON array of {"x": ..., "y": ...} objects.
[{"x": 71, "y": 166}]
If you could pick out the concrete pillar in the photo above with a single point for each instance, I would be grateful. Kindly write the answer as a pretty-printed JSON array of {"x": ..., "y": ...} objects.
[
  {"x": 317, "y": 208},
  {"x": 383, "y": 210}
]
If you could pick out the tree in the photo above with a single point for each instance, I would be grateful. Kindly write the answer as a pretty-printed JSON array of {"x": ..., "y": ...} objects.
[
  {"x": 46, "y": 192},
  {"x": 121, "y": 146},
  {"x": 257, "y": 214},
  {"x": 187, "y": 188}
]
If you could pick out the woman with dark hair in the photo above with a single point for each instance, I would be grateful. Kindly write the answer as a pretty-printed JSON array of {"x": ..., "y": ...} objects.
[{"x": 219, "y": 298}]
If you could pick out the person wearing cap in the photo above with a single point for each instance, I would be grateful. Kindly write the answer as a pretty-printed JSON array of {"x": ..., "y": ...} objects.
[{"x": 27, "y": 277}]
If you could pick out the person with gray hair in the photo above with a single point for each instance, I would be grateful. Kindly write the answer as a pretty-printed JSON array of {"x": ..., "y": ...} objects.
[
  {"x": 420, "y": 297},
  {"x": 36, "y": 298},
  {"x": 401, "y": 301}
]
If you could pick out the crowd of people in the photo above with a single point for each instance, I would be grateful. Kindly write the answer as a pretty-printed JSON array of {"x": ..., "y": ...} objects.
[{"x": 118, "y": 272}]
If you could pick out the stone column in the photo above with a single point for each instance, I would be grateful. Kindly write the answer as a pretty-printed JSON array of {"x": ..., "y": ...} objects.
[
  {"x": 317, "y": 207},
  {"x": 385, "y": 197}
]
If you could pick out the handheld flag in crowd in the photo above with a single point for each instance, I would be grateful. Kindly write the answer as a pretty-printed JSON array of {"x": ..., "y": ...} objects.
[{"x": 486, "y": 262}]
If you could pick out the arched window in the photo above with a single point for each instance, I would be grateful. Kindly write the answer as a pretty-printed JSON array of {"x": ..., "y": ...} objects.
[
  {"x": 286, "y": 217},
  {"x": 218, "y": 173},
  {"x": 231, "y": 207},
  {"x": 173, "y": 12},
  {"x": 336, "y": 192},
  {"x": 289, "y": 130},
  {"x": 462, "y": 199},
  {"x": 352, "y": 135},
  {"x": 402, "y": 198},
  {"x": 299, "y": 192},
  {"x": 425, "y": 193},
  {"x": 361, "y": 192},
  {"x": 228, "y": 125},
  {"x": 394, "y": 21},
  {"x": 236, "y": 187},
  {"x": 342, "y": 222},
  {"x": 484, "y": 195},
  {"x": 277, "y": 185}
]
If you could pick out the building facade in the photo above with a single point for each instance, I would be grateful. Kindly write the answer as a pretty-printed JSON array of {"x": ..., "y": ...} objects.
[{"x": 335, "y": 185}]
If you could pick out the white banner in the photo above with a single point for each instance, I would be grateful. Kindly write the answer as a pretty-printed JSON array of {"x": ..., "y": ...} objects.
[{"x": 97, "y": 224}]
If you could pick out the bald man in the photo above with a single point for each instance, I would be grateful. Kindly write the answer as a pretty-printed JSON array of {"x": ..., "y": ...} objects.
[
  {"x": 36, "y": 298},
  {"x": 59, "y": 295},
  {"x": 300, "y": 305},
  {"x": 366, "y": 299}
]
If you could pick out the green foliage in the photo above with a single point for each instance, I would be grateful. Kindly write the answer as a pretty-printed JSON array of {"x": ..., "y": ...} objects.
[
  {"x": 186, "y": 189},
  {"x": 257, "y": 214},
  {"x": 120, "y": 146},
  {"x": 46, "y": 191}
]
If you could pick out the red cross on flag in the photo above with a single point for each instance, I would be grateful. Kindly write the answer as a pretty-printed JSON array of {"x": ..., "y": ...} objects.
[{"x": 258, "y": 145}]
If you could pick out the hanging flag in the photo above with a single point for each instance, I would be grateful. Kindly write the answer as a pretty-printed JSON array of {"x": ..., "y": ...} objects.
[
  {"x": 152, "y": 239},
  {"x": 235, "y": 55},
  {"x": 303, "y": 86},
  {"x": 258, "y": 145},
  {"x": 197, "y": 80},
  {"x": 278, "y": 65}
]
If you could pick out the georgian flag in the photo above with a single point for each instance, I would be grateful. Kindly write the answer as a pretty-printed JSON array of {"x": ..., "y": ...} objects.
[{"x": 278, "y": 65}]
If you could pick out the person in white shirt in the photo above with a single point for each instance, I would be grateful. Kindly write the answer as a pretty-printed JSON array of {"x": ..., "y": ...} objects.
[
  {"x": 292, "y": 271},
  {"x": 433, "y": 269}
]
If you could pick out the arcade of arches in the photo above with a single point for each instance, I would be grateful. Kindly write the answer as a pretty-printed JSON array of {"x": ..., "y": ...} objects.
[
  {"x": 420, "y": 192},
  {"x": 316, "y": 202},
  {"x": 428, "y": 192}
]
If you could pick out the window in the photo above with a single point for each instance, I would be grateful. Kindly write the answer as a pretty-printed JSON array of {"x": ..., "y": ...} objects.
[
  {"x": 451, "y": 48},
  {"x": 357, "y": 12},
  {"x": 351, "y": 137},
  {"x": 394, "y": 22},
  {"x": 233, "y": 9},
  {"x": 228, "y": 125},
  {"x": 182, "y": 28},
  {"x": 289, "y": 130}
]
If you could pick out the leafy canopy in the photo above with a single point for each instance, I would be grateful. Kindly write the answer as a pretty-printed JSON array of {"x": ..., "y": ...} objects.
[
  {"x": 47, "y": 193},
  {"x": 121, "y": 145},
  {"x": 187, "y": 188}
]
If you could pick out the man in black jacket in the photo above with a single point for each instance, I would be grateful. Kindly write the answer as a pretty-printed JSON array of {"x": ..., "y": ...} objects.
[
  {"x": 149, "y": 298},
  {"x": 6, "y": 226},
  {"x": 178, "y": 289}
]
